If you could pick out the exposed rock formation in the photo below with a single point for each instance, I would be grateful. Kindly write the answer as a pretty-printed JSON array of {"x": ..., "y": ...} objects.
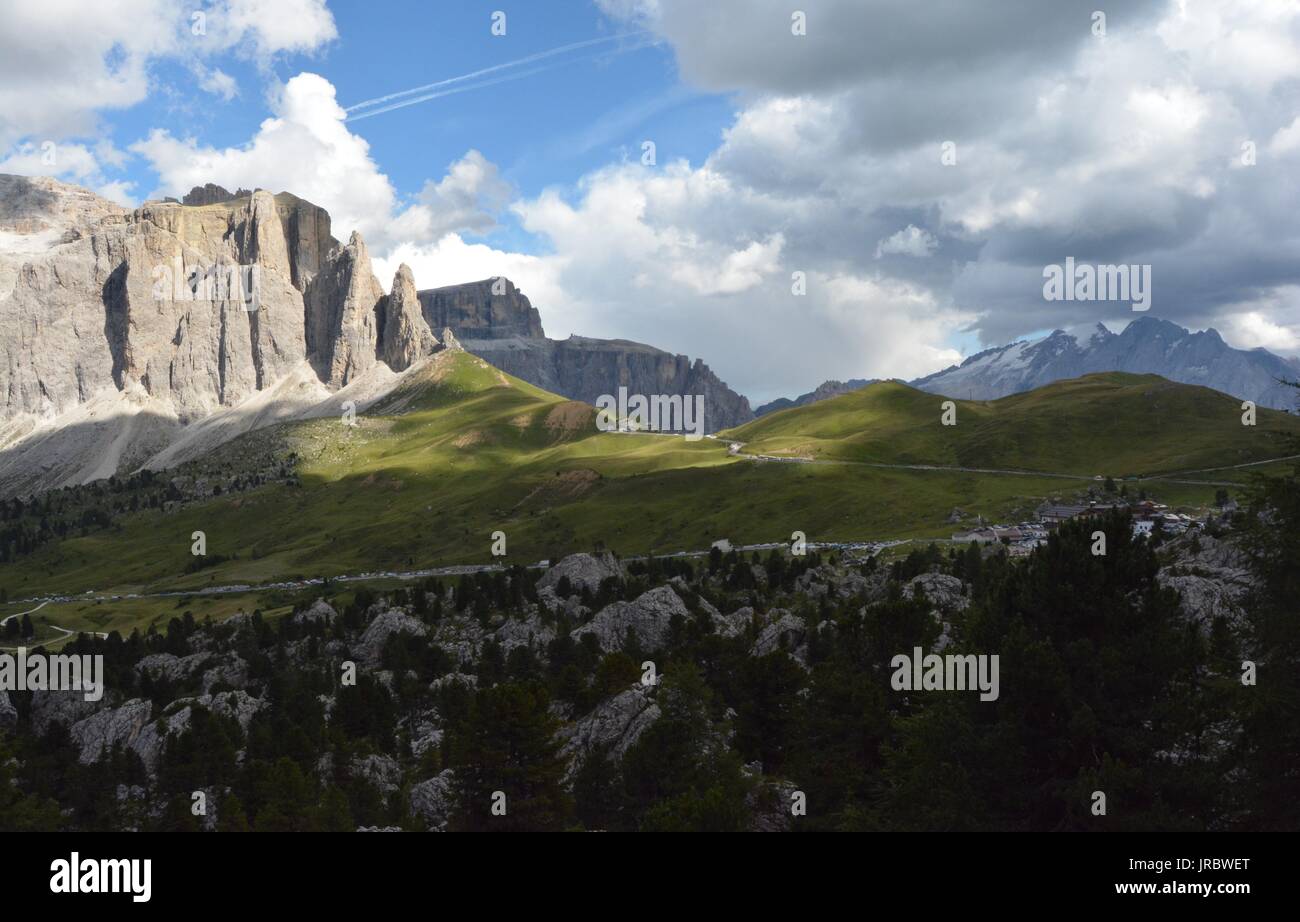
[
  {"x": 648, "y": 617},
  {"x": 450, "y": 342},
  {"x": 124, "y": 332},
  {"x": 585, "y": 571},
  {"x": 433, "y": 801},
  {"x": 198, "y": 307},
  {"x": 406, "y": 336},
  {"x": 490, "y": 309},
  {"x": 1212, "y": 577},
  {"x": 506, "y": 330},
  {"x": 384, "y": 626},
  {"x": 8, "y": 713},
  {"x": 787, "y": 632},
  {"x": 211, "y": 194},
  {"x": 343, "y": 336},
  {"x": 612, "y": 728}
]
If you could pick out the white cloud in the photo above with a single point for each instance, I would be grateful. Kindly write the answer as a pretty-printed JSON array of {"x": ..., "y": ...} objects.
[
  {"x": 268, "y": 27},
  {"x": 451, "y": 261},
  {"x": 307, "y": 149},
  {"x": 1122, "y": 149},
  {"x": 304, "y": 148},
  {"x": 65, "y": 62},
  {"x": 1252, "y": 329},
  {"x": 217, "y": 82},
  {"x": 62, "y": 61},
  {"x": 467, "y": 198},
  {"x": 1287, "y": 139},
  {"x": 910, "y": 241}
]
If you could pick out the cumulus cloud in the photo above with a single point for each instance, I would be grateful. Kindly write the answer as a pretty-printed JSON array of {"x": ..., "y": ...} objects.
[
  {"x": 451, "y": 261},
  {"x": 307, "y": 149},
  {"x": 1115, "y": 147},
  {"x": 217, "y": 82},
  {"x": 910, "y": 241},
  {"x": 63, "y": 62},
  {"x": 304, "y": 148}
]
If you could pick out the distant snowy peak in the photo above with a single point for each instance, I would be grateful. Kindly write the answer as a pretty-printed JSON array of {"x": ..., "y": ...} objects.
[{"x": 1147, "y": 346}]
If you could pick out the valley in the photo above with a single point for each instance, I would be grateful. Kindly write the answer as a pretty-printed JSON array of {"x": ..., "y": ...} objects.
[{"x": 456, "y": 451}]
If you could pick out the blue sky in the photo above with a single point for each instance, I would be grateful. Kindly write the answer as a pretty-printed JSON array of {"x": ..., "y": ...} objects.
[{"x": 545, "y": 124}]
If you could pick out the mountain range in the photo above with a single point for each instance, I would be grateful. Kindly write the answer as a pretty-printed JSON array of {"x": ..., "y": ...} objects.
[
  {"x": 1148, "y": 345},
  {"x": 825, "y": 391},
  {"x": 141, "y": 338}
]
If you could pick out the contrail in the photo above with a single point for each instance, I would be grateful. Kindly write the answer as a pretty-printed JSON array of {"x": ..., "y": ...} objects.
[
  {"x": 517, "y": 75},
  {"x": 541, "y": 55}
]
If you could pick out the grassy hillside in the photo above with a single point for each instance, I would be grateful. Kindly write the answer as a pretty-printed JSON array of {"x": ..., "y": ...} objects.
[
  {"x": 462, "y": 450},
  {"x": 1111, "y": 424}
]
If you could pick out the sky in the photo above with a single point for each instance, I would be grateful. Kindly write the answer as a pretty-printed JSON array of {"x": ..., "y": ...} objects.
[{"x": 793, "y": 191}]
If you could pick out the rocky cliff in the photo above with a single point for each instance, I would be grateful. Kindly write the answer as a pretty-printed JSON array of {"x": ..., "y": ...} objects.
[
  {"x": 121, "y": 329},
  {"x": 404, "y": 333},
  {"x": 506, "y": 330},
  {"x": 197, "y": 306},
  {"x": 490, "y": 309}
]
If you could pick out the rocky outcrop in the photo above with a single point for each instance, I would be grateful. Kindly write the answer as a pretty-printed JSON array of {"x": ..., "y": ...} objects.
[
  {"x": 529, "y": 632},
  {"x": 945, "y": 592},
  {"x": 648, "y": 618},
  {"x": 450, "y": 342},
  {"x": 386, "y": 624},
  {"x": 495, "y": 321},
  {"x": 611, "y": 729},
  {"x": 343, "y": 336},
  {"x": 8, "y": 713},
  {"x": 584, "y": 571},
  {"x": 786, "y": 632},
  {"x": 197, "y": 307},
  {"x": 433, "y": 800},
  {"x": 381, "y": 772},
  {"x": 103, "y": 730},
  {"x": 211, "y": 194},
  {"x": 1211, "y": 576},
  {"x": 489, "y": 309},
  {"x": 319, "y": 612},
  {"x": 585, "y": 369},
  {"x": 133, "y": 725},
  {"x": 406, "y": 335}
]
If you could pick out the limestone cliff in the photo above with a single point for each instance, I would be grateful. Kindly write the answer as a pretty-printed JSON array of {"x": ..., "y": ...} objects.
[
  {"x": 120, "y": 330},
  {"x": 404, "y": 334},
  {"x": 506, "y": 330},
  {"x": 342, "y": 306},
  {"x": 490, "y": 309}
]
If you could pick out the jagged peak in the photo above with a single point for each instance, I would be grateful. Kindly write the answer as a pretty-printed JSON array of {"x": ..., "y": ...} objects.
[
  {"x": 212, "y": 194},
  {"x": 450, "y": 342},
  {"x": 403, "y": 276}
]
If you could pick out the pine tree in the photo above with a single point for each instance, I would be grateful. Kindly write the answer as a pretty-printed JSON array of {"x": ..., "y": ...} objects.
[{"x": 509, "y": 746}]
